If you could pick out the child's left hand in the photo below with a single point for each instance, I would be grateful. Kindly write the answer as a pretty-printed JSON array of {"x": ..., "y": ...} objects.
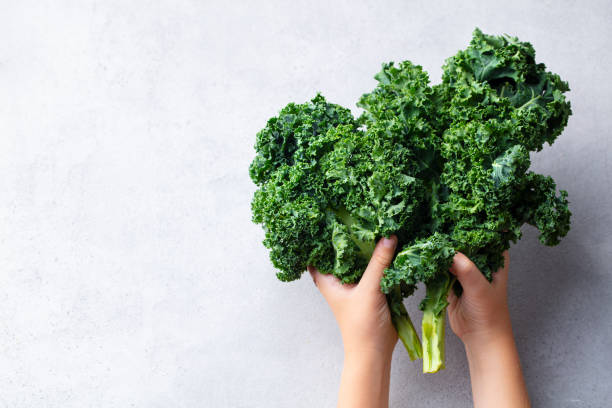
[
  {"x": 361, "y": 310},
  {"x": 367, "y": 332}
]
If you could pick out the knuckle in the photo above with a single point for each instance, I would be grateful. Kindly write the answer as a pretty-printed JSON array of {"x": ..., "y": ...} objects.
[
  {"x": 464, "y": 271},
  {"x": 473, "y": 270},
  {"x": 381, "y": 260}
]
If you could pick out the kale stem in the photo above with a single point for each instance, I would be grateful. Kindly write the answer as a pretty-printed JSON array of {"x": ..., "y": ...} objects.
[
  {"x": 403, "y": 325},
  {"x": 434, "y": 322},
  {"x": 366, "y": 248},
  {"x": 532, "y": 100},
  {"x": 433, "y": 341}
]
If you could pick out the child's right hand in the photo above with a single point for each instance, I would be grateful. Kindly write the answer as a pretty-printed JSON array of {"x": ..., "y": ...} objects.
[
  {"x": 481, "y": 319},
  {"x": 481, "y": 313}
]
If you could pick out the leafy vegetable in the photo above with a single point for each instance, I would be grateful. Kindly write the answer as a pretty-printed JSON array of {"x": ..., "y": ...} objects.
[{"x": 443, "y": 167}]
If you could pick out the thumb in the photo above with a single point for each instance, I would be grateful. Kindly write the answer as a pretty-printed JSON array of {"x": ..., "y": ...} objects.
[
  {"x": 467, "y": 273},
  {"x": 381, "y": 259}
]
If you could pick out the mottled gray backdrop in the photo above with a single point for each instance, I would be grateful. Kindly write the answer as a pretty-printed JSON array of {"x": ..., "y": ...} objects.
[{"x": 130, "y": 272}]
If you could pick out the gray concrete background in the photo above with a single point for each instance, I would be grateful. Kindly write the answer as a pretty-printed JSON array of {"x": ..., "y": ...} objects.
[{"x": 131, "y": 274}]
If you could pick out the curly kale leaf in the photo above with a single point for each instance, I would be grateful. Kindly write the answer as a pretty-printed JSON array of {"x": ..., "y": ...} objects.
[
  {"x": 328, "y": 190},
  {"x": 422, "y": 261},
  {"x": 285, "y": 138},
  {"x": 508, "y": 66}
]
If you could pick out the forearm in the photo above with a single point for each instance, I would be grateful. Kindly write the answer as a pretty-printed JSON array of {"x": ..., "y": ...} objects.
[
  {"x": 495, "y": 371},
  {"x": 365, "y": 381}
]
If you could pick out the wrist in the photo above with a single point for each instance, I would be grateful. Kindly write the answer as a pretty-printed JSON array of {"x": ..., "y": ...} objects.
[
  {"x": 356, "y": 348},
  {"x": 495, "y": 371},
  {"x": 372, "y": 368},
  {"x": 488, "y": 350},
  {"x": 493, "y": 332},
  {"x": 483, "y": 339},
  {"x": 365, "y": 379},
  {"x": 366, "y": 357}
]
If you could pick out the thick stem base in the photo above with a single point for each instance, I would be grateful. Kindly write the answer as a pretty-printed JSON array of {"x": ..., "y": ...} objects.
[
  {"x": 405, "y": 328},
  {"x": 433, "y": 340}
]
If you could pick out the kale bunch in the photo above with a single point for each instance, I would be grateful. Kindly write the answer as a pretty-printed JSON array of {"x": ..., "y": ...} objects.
[{"x": 444, "y": 167}]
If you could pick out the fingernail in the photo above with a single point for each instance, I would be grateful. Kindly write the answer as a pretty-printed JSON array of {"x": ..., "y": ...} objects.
[{"x": 387, "y": 242}]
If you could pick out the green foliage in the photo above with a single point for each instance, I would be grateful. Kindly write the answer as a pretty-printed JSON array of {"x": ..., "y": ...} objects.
[
  {"x": 445, "y": 167},
  {"x": 422, "y": 261}
]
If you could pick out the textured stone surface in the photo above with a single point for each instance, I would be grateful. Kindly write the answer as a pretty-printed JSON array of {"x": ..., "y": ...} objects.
[{"x": 131, "y": 274}]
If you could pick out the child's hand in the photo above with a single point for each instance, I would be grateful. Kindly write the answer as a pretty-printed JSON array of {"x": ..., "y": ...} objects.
[
  {"x": 367, "y": 332},
  {"x": 480, "y": 317},
  {"x": 481, "y": 313},
  {"x": 361, "y": 310}
]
